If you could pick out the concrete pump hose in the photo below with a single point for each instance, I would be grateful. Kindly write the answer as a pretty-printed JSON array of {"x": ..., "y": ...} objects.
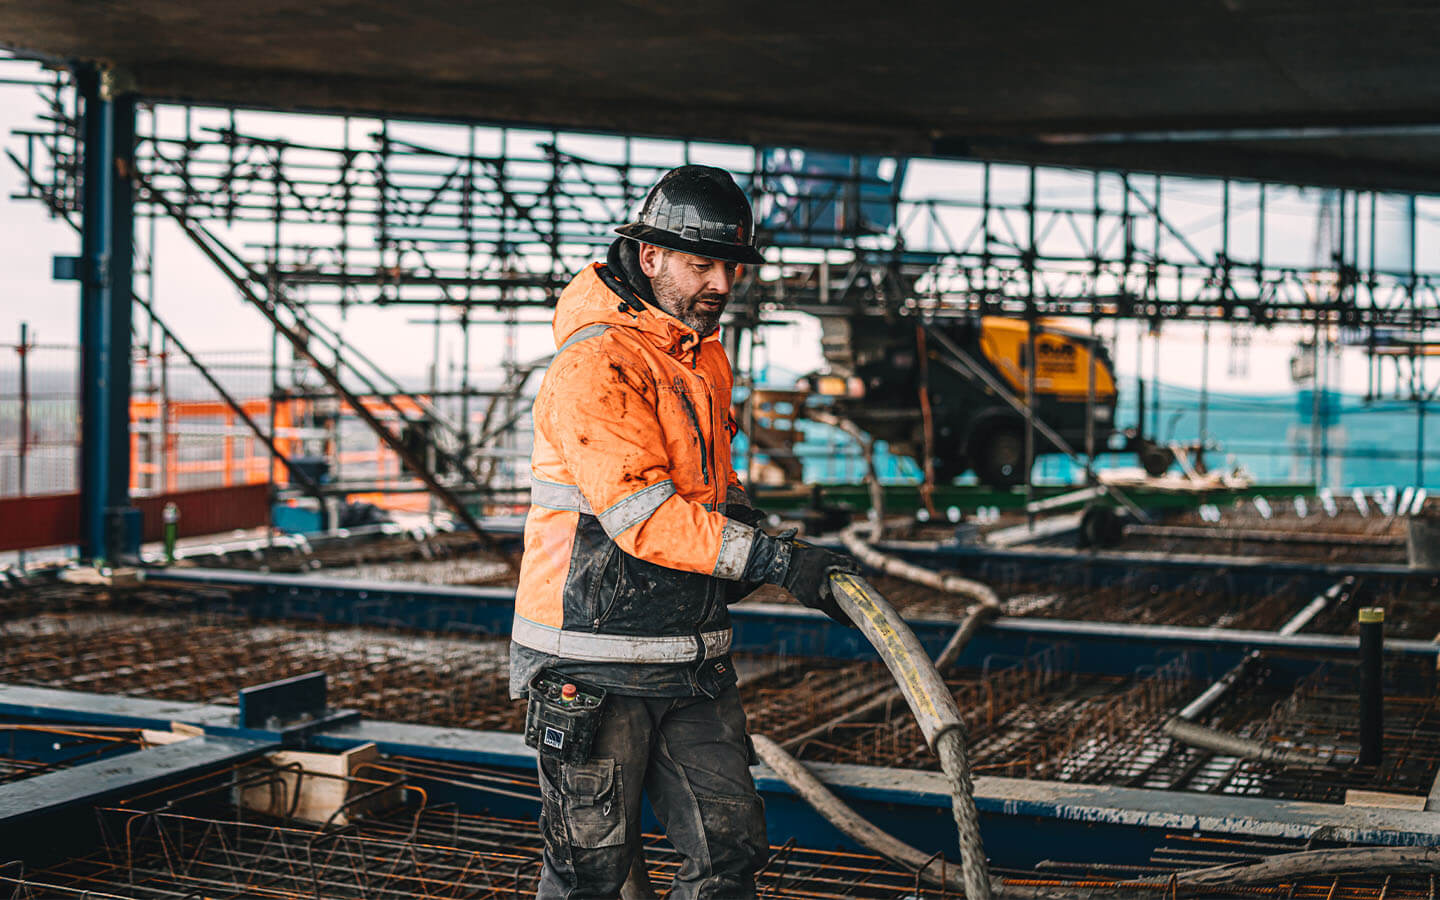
[
  {"x": 1232, "y": 745},
  {"x": 882, "y": 562},
  {"x": 934, "y": 707},
  {"x": 854, "y": 826}
]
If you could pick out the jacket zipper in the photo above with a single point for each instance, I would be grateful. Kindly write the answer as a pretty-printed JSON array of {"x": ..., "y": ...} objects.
[
  {"x": 604, "y": 612},
  {"x": 704, "y": 617},
  {"x": 699, "y": 433},
  {"x": 714, "y": 463},
  {"x": 713, "y": 458}
]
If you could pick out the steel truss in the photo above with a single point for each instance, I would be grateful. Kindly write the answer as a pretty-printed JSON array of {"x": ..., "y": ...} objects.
[
  {"x": 389, "y": 211},
  {"x": 467, "y": 218}
]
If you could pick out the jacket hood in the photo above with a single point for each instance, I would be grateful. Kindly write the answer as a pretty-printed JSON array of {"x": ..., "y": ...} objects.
[{"x": 602, "y": 295}]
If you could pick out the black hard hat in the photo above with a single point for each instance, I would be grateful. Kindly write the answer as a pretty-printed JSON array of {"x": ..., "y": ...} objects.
[{"x": 699, "y": 210}]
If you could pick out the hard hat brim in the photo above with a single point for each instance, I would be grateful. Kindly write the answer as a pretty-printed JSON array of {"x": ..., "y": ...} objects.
[{"x": 648, "y": 234}]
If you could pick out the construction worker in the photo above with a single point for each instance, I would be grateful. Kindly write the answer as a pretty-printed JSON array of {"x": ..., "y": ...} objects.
[{"x": 639, "y": 535}]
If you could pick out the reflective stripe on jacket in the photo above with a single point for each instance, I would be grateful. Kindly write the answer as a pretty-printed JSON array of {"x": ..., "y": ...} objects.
[{"x": 627, "y": 547}]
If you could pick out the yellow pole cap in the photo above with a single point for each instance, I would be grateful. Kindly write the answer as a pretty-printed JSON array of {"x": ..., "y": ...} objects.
[{"x": 1371, "y": 614}]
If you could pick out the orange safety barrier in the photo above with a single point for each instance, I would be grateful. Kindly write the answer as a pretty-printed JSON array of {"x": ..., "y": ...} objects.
[
  {"x": 157, "y": 462},
  {"x": 232, "y": 465}
]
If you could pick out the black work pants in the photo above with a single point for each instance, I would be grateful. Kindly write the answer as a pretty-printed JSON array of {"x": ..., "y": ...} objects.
[{"x": 690, "y": 756}]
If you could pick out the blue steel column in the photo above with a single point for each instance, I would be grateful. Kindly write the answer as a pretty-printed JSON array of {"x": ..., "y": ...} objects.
[
  {"x": 95, "y": 312},
  {"x": 109, "y": 528},
  {"x": 123, "y": 519}
]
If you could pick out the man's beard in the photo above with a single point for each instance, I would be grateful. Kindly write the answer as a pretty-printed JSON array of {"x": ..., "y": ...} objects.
[{"x": 684, "y": 307}]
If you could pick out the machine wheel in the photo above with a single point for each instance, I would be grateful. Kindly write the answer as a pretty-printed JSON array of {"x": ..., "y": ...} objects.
[
  {"x": 949, "y": 465},
  {"x": 1155, "y": 459},
  {"x": 1000, "y": 457},
  {"x": 1100, "y": 526}
]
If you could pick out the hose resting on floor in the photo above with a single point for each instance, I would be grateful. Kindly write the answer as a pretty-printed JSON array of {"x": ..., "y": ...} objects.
[
  {"x": 930, "y": 866},
  {"x": 934, "y": 708}
]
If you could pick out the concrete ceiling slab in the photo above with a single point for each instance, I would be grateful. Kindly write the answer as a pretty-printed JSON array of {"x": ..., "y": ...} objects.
[{"x": 1310, "y": 91}]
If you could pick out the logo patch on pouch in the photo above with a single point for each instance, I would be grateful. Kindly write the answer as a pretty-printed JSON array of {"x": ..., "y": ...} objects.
[{"x": 554, "y": 737}]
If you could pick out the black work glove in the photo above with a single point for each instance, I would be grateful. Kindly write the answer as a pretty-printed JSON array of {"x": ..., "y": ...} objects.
[
  {"x": 735, "y": 591},
  {"x": 808, "y": 577},
  {"x": 745, "y": 515}
]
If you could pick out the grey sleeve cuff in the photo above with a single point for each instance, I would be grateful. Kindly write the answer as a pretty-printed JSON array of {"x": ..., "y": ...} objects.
[{"x": 737, "y": 543}]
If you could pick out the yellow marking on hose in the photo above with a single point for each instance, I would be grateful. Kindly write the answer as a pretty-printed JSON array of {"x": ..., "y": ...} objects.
[{"x": 852, "y": 589}]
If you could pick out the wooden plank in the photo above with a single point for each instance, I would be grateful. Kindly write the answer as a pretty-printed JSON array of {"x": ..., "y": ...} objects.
[{"x": 1384, "y": 800}]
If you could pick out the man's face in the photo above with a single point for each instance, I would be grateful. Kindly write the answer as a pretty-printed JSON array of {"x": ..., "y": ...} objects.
[{"x": 693, "y": 289}]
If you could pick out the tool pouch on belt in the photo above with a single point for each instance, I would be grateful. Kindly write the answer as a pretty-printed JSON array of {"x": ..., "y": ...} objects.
[{"x": 562, "y": 716}]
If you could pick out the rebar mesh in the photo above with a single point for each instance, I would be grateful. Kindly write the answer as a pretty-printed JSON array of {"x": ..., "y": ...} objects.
[
  {"x": 1038, "y": 718},
  {"x": 1318, "y": 715},
  {"x": 160, "y": 847},
  {"x": 1294, "y": 528},
  {"x": 1034, "y": 717},
  {"x": 1144, "y": 597},
  {"x": 445, "y": 557},
  {"x": 1411, "y": 610},
  {"x": 1192, "y": 850},
  {"x": 202, "y": 846},
  {"x": 457, "y": 682}
]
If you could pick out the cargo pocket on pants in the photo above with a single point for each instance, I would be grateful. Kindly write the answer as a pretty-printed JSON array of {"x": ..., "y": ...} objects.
[
  {"x": 552, "y": 816},
  {"x": 593, "y": 800},
  {"x": 734, "y": 833}
]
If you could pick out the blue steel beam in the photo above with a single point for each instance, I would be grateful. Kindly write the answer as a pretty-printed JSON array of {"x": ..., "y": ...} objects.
[
  {"x": 1024, "y": 821},
  {"x": 24, "y": 801},
  {"x": 1099, "y": 647},
  {"x": 40, "y": 816}
]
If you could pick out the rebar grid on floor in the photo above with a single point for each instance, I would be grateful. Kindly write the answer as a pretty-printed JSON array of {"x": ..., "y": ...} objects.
[
  {"x": 1318, "y": 715},
  {"x": 390, "y": 557},
  {"x": 1031, "y": 717},
  {"x": 1202, "y": 603},
  {"x": 162, "y": 846},
  {"x": 1038, "y": 719},
  {"x": 1297, "y": 514},
  {"x": 199, "y": 845},
  {"x": 1296, "y": 528},
  {"x": 1205, "y": 601},
  {"x": 1190, "y": 850},
  {"x": 1323, "y": 712},
  {"x": 29, "y": 599},
  {"x": 1064, "y": 737},
  {"x": 1295, "y": 546},
  {"x": 437, "y": 854},
  {"x": 808, "y": 693},
  {"x": 435, "y": 681},
  {"x": 985, "y": 698},
  {"x": 1411, "y": 609}
]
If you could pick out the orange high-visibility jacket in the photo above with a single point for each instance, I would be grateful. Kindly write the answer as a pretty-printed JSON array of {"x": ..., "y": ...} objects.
[{"x": 627, "y": 548}]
